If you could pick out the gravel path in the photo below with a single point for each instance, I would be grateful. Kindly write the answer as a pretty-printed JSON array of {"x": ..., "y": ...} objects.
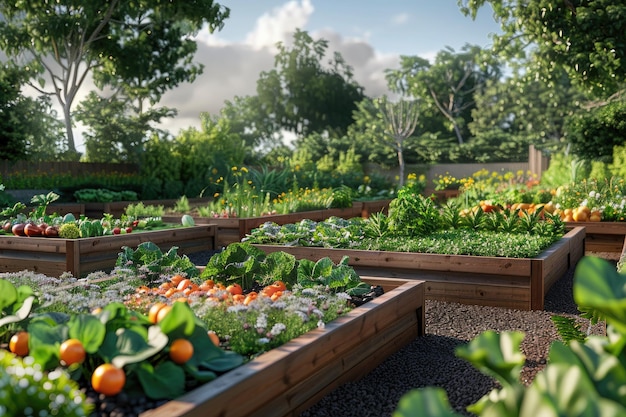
[{"x": 430, "y": 360}]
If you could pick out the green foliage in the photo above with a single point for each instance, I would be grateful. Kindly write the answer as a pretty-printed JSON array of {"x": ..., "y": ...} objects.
[
  {"x": 30, "y": 391},
  {"x": 139, "y": 49},
  {"x": 139, "y": 210},
  {"x": 412, "y": 214},
  {"x": 581, "y": 38},
  {"x": 113, "y": 133},
  {"x": 104, "y": 195},
  {"x": 594, "y": 134},
  {"x": 69, "y": 231},
  {"x": 149, "y": 262},
  {"x": 303, "y": 96},
  {"x": 246, "y": 265},
  {"x": 583, "y": 373}
]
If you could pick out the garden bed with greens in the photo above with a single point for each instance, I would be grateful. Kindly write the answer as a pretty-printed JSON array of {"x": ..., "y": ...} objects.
[
  {"x": 501, "y": 258},
  {"x": 159, "y": 344}
]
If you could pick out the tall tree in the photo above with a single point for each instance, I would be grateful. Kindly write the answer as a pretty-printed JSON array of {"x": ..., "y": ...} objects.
[
  {"x": 112, "y": 40},
  {"x": 302, "y": 95},
  {"x": 450, "y": 82},
  {"x": 115, "y": 131},
  {"x": 527, "y": 106},
  {"x": 28, "y": 128},
  {"x": 585, "y": 38},
  {"x": 399, "y": 122}
]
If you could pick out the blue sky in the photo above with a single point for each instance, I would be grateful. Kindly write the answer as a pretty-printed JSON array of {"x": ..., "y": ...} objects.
[{"x": 409, "y": 27}]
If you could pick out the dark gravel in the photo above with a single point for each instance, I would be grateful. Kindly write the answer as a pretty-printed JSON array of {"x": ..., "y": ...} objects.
[{"x": 430, "y": 360}]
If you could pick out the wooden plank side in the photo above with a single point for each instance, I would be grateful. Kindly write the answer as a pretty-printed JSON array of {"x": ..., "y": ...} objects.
[
  {"x": 278, "y": 370},
  {"x": 478, "y": 294},
  {"x": 411, "y": 261},
  {"x": 37, "y": 244}
]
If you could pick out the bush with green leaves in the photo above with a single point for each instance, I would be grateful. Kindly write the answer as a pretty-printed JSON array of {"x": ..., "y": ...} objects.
[
  {"x": 26, "y": 390},
  {"x": 412, "y": 214},
  {"x": 584, "y": 376}
]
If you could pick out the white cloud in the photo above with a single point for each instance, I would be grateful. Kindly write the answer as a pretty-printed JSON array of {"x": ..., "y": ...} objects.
[
  {"x": 232, "y": 69},
  {"x": 279, "y": 25},
  {"x": 400, "y": 19}
]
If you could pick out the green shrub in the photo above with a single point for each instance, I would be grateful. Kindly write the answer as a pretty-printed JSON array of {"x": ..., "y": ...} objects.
[{"x": 26, "y": 390}]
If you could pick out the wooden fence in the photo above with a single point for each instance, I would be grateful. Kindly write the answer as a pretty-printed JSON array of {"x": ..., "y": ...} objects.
[{"x": 7, "y": 168}]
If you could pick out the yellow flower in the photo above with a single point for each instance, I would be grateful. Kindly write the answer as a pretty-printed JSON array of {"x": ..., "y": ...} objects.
[{"x": 244, "y": 169}]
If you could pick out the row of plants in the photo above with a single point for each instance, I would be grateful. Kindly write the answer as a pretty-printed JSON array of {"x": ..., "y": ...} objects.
[
  {"x": 418, "y": 224},
  {"x": 120, "y": 331},
  {"x": 586, "y": 199},
  {"x": 584, "y": 373},
  {"x": 18, "y": 221}
]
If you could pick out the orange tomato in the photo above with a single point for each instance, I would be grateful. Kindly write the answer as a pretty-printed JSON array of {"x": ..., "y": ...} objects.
[
  {"x": 154, "y": 311},
  {"x": 108, "y": 379},
  {"x": 72, "y": 351},
  {"x": 170, "y": 292},
  {"x": 183, "y": 284},
  {"x": 181, "y": 351},
  {"x": 234, "y": 289},
  {"x": 176, "y": 279},
  {"x": 276, "y": 295},
  {"x": 214, "y": 337},
  {"x": 163, "y": 312},
  {"x": 238, "y": 298},
  {"x": 19, "y": 343},
  {"x": 250, "y": 297}
]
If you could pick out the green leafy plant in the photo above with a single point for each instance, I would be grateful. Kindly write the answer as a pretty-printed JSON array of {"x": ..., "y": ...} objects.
[
  {"x": 246, "y": 265},
  {"x": 42, "y": 201},
  {"x": 130, "y": 341},
  {"x": 583, "y": 374},
  {"x": 149, "y": 262},
  {"x": 413, "y": 214}
]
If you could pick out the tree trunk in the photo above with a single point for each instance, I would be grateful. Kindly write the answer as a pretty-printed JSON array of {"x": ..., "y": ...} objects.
[
  {"x": 71, "y": 145},
  {"x": 401, "y": 165}
]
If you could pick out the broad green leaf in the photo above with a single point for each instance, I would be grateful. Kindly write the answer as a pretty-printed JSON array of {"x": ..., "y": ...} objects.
[
  {"x": 122, "y": 342},
  {"x": 8, "y": 294},
  {"x": 323, "y": 268},
  {"x": 604, "y": 370},
  {"x": 165, "y": 381},
  {"x": 561, "y": 390},
  {"x": 429, "y": 401},
  {"x": 496, "y": 354},
  {"x": 226, "y": 362},
  {"x": 88, "y": 329},
  {"x": 180, "y": 322},
  {"x": 598, "y": 285},
  {"x": 157, "y": 341},
  {"x": 203, "y": 347}
]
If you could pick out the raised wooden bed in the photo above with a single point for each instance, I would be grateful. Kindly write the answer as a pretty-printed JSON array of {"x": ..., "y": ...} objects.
[
  {"x": 519, "y": 283},
  {"x": 603, "y": 236},
  {"x": 54, "y": 256},
  {"x": 231, "y": 230},
  {"x": 291, "y": 378}
]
